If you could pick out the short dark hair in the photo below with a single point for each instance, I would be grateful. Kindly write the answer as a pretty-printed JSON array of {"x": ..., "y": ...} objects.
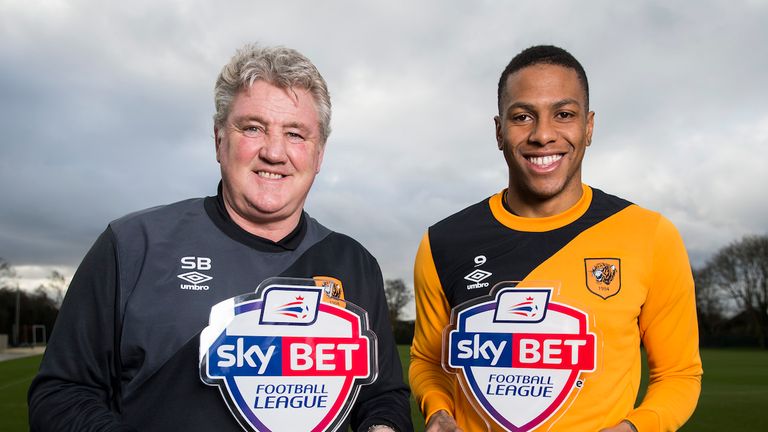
[{"x": 544, "y": 54}]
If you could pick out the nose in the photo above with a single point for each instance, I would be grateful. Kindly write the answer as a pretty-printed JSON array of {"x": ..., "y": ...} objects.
[
  {"x": 543, "y": 133},
  {"x": 273, "y": 150}
]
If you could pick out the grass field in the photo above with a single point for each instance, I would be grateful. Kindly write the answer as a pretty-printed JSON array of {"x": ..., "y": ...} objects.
[
  {"x": 733, "y": 398},
  {"x": 734, "y": 394},
  {"x": 15, "y": 377}
]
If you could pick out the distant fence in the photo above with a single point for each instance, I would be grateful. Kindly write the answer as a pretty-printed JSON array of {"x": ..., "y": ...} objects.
[{"x": 728, "y": 341}]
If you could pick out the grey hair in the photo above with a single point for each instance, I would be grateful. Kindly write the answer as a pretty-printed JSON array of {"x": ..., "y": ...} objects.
[{"x": 282, "y": 67}]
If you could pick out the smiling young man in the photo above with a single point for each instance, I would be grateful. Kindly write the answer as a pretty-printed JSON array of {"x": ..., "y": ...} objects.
[
  {"x": 616, "y": 268},
  {"x": 543, "y": 129},
  {"x": 124, "y": 355}
]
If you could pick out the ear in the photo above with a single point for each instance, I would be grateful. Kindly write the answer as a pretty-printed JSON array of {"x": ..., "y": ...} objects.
[
  {"x": 590, "y": 127},
  {"x": 320, "y": 153},
  {"x": 217, "y": 141},
  {"x": 499, "y": 137}
]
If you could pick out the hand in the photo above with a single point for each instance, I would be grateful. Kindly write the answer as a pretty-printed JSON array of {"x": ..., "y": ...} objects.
[
  {"x": 624, "y": 426},
  {"x": 380, "y": 428},
  {"x": 441, "y": 421}
]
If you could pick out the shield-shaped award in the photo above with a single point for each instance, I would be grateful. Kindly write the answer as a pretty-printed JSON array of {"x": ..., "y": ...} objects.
[
  {"x": 518, "y": 354},
  {"x": 285, "y": 359}
]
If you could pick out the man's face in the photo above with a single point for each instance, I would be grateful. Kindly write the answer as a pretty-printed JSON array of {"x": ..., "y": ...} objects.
[
  {"x": 543, "y": 129},
  {"x": 270, "y": 150}
]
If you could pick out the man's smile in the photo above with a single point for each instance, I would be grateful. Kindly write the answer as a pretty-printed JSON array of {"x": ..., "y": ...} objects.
[
  {"x": 269, "y": 175},
  {"x": 544, "y": 161}
]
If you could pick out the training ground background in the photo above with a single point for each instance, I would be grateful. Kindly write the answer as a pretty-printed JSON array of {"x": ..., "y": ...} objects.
[{"x": 734, "y": 394}]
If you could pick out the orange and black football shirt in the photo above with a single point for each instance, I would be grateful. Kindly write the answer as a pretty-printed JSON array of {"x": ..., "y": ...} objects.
[{"x": 625, "y": 266}]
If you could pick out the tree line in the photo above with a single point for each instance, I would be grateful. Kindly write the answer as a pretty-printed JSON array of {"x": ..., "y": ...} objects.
[
  {"x": 731, "y": 299},
  {"x": 24, "y": 314},
  {"x": 732, "y": 294}
]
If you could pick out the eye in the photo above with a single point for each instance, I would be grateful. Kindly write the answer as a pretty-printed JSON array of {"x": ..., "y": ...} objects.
[
  {"x": 521, "y": 118},
  {"x": 294, "y": 137},
  {"x": 564, "y": 115},
  {"x": 251, "y": 131}
]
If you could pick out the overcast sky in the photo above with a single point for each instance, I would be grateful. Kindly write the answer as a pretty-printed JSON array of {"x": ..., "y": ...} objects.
[{"x": 105, "y": 108}]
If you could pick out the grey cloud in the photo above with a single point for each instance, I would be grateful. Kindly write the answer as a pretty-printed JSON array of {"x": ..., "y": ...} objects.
[{"x": 106, "y": 109}]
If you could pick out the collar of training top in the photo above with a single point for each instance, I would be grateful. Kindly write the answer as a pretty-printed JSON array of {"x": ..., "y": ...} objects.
[{"x": 214, "y": 207}]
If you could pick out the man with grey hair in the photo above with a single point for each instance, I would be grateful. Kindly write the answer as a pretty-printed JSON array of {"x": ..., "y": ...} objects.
[{"x": 124, "y": 353}]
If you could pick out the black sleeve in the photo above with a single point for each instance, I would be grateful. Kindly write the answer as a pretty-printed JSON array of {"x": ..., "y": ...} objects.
[
  {"x": 386, "y": 401},
  {"x": 76, "y": 385}
]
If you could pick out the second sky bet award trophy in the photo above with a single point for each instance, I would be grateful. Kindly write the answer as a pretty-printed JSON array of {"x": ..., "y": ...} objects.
[
  {"x": 286, "y": 358},
  {"x": 519, "y": 356}
]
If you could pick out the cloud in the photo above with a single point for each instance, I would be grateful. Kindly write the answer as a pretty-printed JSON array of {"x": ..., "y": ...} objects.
[{"x": 107, "y": 109}]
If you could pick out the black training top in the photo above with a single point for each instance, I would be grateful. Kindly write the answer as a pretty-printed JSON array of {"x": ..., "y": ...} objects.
[{"x": 124, "y": 351}]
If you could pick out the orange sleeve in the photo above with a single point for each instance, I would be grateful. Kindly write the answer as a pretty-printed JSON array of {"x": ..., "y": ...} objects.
[
  {"x": 669, "y": 331},
  {"x": 431, "y": 385}
]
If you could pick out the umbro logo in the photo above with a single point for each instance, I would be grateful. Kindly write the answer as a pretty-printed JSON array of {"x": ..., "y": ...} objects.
[
  {"x": 477, "y": 275},
  {"x": 194, "y": 278}
]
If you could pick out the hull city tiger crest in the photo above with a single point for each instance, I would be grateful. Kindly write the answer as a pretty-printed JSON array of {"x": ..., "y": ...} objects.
[
  {"x": 603, "y": 276},
  {"x": 285, "y": 359},
  {"x": 518, "y": 355}
]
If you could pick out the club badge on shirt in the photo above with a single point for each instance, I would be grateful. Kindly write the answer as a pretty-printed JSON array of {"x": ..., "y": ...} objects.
[
  {"x": 603, "y": 276},
  {"x": 333, "y": 290},
  {"x": 284, "y": 359},
  {"x": 519, "y": 355}
]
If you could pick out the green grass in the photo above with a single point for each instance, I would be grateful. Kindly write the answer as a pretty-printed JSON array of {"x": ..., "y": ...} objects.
[
  {"x": 15, "y": 377},
  {"x": 405, "y": 359},
  {"x": 734, "y": 394}
]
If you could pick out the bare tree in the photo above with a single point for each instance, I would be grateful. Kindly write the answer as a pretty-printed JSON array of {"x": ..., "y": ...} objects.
[
  {"x": 740, "y": 270},
  {"x": 8, "y": 277},
  {"x": 9, "y": 280},
  {"x": 710, "y": 305},
  {"x": 398, "y": 296},
  {"x": 54, "y": 287}
]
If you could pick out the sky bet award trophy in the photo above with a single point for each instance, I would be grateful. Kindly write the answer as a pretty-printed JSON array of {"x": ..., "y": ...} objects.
[
  {"x": 288, "y": 357},
  {"x": 519, "y": 356}
]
